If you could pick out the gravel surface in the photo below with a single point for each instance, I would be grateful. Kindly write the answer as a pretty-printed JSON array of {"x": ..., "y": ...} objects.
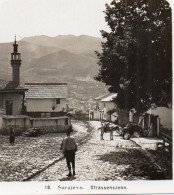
[
  {"x": 106, "y": 159},
  {"x": 31, "y": 154},
  {"x": 96, "y": 159}
]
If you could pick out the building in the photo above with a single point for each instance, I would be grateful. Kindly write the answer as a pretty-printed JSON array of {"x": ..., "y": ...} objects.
[
  {"x": 42, "y": 100},
  {"x": 98, "y": 99},
  {"x": 165, "y": 116},
  {"x": 12, "y": 94},
  {"x": 107, "y": 104},
  {"x": 46, "y": 99},
  {"x": 104, "y": 104},
  {"x": 106, "y": 109}
]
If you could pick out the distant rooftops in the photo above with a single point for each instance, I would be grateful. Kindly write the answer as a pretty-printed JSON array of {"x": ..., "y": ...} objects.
[
  {"x": 10, "y": 86},
  {"x": 108, "y": 97},
  {"x": 103, "y": 96},
  {"x": 46, "y": 90}
]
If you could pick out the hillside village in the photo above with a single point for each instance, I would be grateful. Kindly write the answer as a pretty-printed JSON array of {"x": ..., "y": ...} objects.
[
  {"x": 86, "y": 94},
  {"x": 52, "y": 107},
  {"x": 74, "y": 53},
  {"x": 78, "y": 96}
]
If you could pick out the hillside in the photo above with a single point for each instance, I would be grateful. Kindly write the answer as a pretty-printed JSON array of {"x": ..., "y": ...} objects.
[
  {"x": 71, "y": 43},
  {"x": 63, "y": 64},
  {"x": 65, "y": 58},
  {"x": 29, "y": 52}
]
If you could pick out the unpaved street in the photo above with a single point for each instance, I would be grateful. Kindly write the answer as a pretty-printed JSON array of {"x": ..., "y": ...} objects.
[
  {"x": 106, "y": 159},
  {"x": 40, "y": 158},
  {"x": 30, "y": 155}
]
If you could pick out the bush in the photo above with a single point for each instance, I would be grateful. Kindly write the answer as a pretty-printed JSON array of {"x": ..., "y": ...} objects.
[{"x": 32, "y": 132}]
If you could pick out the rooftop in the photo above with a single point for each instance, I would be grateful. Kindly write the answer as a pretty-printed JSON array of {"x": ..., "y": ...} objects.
[
  {"x": 109, "y": 98},
  {"x": 103, "y": 96},
  {"x": 46, "y": 90}
]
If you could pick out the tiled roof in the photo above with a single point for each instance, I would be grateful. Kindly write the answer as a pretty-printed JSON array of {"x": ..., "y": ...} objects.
[
  {"x": 46, "y": 90},
  {"x": 109, "y": 98}
]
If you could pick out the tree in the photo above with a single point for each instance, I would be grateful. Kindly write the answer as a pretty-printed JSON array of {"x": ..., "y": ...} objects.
[{"x": 136, "y": 59}]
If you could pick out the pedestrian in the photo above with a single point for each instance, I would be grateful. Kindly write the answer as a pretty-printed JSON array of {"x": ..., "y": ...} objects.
[
  {"x": 111, "y": 134},
  {"x": 12, "y": 136},
  {"x": 69, "y": 148},
  {"x": 116, "y": 121},
  {"x": 102, "y": 132}
]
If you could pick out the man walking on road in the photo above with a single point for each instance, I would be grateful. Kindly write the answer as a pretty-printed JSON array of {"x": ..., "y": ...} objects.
[
  {"x": 12, "y": 136},
  {"x": 69, "y": 148},
  {"x": 102, "y": 131}
]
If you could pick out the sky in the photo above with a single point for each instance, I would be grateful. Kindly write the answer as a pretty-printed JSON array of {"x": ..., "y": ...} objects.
[{"x": 27, "y": 18}]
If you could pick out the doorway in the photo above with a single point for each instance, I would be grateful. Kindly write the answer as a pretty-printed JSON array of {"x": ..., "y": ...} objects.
[{"x": 9, "y": 107}]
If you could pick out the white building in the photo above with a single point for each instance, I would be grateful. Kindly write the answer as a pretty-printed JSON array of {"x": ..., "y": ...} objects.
[
  {"x": 105, "y": 104},
  {"x": 46, "y": 99},
  {"x": 165, "y": 116}
]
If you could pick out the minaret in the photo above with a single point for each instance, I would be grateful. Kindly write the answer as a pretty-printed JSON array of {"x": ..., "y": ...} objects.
[{"x": 16, "y": 63}]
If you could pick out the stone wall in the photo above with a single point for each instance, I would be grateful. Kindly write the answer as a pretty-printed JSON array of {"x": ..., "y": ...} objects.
[{"x": 21, "y": 123}]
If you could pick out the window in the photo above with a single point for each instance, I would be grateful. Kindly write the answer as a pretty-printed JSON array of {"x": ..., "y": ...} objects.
[
  {"x": 58, "y": 101},
  {"x": 45, "y": 114},
  {"x": 9, "y": 107},
  {"x": 42, "y": 115},
  {"x": 66, "y": 121}
]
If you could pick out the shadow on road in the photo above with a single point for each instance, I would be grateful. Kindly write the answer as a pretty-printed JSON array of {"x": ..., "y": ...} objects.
[
  {"x": 132, "y": 163},
  {"x": 68, "y": 178}
]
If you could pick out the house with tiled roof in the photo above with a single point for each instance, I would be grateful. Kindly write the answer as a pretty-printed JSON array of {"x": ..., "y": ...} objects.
[
  {"x": 36, "y": 105},
  {"x": 46, "y": 99},
  {"x": 98, "y": 100},
  {"x": 104, "y": 104},
  {"x": 105, "y": 101},
  {"x": 12, "y": 94}
]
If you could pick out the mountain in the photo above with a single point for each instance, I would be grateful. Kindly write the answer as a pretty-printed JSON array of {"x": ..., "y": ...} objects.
[
  {"x": 64, "y": 58},
  {"x": 63, "y": 64},
  {"x": 75, "y": 54},
  {"x": 71, "y": 43},
  {"x": 29, "y": 52}
]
